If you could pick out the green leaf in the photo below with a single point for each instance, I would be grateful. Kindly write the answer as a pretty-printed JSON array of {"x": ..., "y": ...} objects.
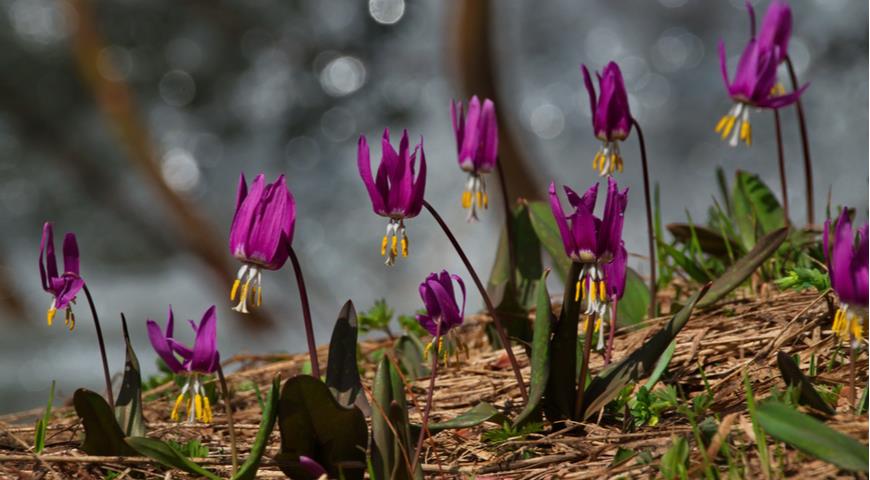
[
  {"x": 743, "y": 268},
  {"x": 409, "y": 353},
  {"x": 42, "y": 423},
  {"x": 314, "y": 424},
  {"x": 166, "y": 455},
  {"x": 661, "y": 366},
  {"x": 812, "y": 436},
  {"x": 673, "y": 464},
  {"x": 248, "y": 470},
  {"x": 103, "y": 436},
  {"x": 607, "y": 384},
  {"x": 711, "y": 242},
  {"x": 389, "y": 451},
  {"x": 528, "y": 258},
  {"x": 793, "y": 376},
  {"x": 544, "y": 224},
  {"x": 634, "y": 303},
  {"x": 482, "y": 412},
  {"x": 128, "y": 406},
  {"x": 561, "y": 392},
  {"x": 756, "y": 210},
  {"x": 342, "y": 373},
  {"x": 687, "y": 264},
  {"x": 540, "y": 361},
  {"x": 622, "y": 455}
]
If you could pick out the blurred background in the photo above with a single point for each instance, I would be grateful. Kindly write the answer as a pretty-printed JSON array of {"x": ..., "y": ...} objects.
[{"x": 128, "y": 122}]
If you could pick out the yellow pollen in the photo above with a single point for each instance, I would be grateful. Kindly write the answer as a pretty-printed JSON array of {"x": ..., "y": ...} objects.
[
  {"x": 619, "y": 165},
  {"x": 746, "y": 132},
  {"x": 485, "y": 200},
  {"x": 70, "y": 320},
  {"x": 174, "y": 414},
  {"x": 479, "y": 199},
  {"x": 722, "y": 122},
  {"x": 404, "y": 246},
  {"x": 577, "y": 291},
  {"x": 393, "y": 244},
  {"x": 244, "y": 293},
  {"x": 206, "y": 410},
  {"x": 727, "y": 126},
  {"x": 51, "y": 312},
  {"x": 259, "y": 296},
  {"x": 384, "y": 246},
  {"x": 466, "y": 199},
  {"x": 235, "y": 289},
  {"x": 592, "y": 292},
  {"x": 602, "y": 291},
  {"x": 197, "y": 403}
]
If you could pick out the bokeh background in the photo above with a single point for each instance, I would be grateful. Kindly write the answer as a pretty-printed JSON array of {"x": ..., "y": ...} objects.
[{"x": 128, "y": 122}]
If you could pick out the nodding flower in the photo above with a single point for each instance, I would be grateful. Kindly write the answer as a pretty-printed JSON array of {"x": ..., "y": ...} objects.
[
  {"x": 847, "y": 267},
  {"x": 443, "y": 311},
  {"x": 477, "y": 148},
  {"x": 591, "y": 241},
  {"x": 396, "y": 192},
  {"x": 63, "y": 287},
  {"x": 260, "y": 235},
  {"x": 611, "y": 117},
  {"x": 195, "y": 363},
  {"x": 755, "y": 82}
]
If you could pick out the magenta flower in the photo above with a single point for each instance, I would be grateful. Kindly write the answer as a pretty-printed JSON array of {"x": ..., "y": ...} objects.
[
  {"x": 755, "y": 82},
  {"x": 611, "y": 117},
  {"x": 62, "y": 286},
  {"x": 442, "y": 308},
  {"x": 477, "y": 148},
  {"x": 396, "y": 192},
  {"x": 847, "y": 267},
  {"x": 202, "y": 359},
  {"x": 260, "y": 235}
]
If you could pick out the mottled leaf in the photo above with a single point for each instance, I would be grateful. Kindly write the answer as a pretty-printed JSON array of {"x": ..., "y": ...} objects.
[
  {"x": 540, "y": 361},
  {"x": 756, "y": 211},
  {"x": 561, "y": 393},
  {"x": 103, "y": 436},
  {"x": 711, "y": 242},
  {"x": 248, "y": 470},
  {"x": 342, "y": 372},
  {"x": 634, "y": 304},
  {"x": 794, "y": 377},
  {"x": 409, "y": 353},
  {"x": 166, "y": 455},
  {"x": 389, "y": 451},
  {"x": 544, "y": 224},
  {"x": 128, "y": 406}
]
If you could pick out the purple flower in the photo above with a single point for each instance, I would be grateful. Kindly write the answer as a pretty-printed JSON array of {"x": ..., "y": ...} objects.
[
  {"x": 755, "y": 82},
  {"x": 477, "y": 148},
  {"x": 202, "y": 359},
  {"x": 260, "y": 235},
  {"x": 442, "y": 307},
  {"x": 611, "y": 116},
  {"x": 847, "y": 267},
  {"x": 395, "y": 192},
  {"x": 62, "y": 286},
  {"x": 615, "y": 272}
]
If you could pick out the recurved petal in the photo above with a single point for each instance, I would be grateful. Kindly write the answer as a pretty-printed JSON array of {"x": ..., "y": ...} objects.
[
  {"x": 590, "y": 89},
  {"x": 419, "y": 189},
  {"x": 776, "y": 27},
  {"x": 205, "y": 346},
  {"x": 449, "y": 310},
  {"x": 47, "y": 258},
  {"x": 264, "y": 243},
  {"x": 723, "y": 66},
  {"x": 70, "y": 254},
  {"x": 489, "y": 134},
  {"x": 162, "y": 347},
  {"x": 363, "y": 157},
  {"x": 458, "y": 122},
  {"x": 243, "y": 219},
  {"x": 614, "y": 273},
  {"x": 561, "y": 221},
  {"x": 241, "y": 190},
  {"x": 471, "y": 136}
]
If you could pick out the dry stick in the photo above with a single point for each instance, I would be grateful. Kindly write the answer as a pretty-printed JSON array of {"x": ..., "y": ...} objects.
[
  {"x": 428, "y": 407},
  {"x": 508, "y": 221},
  {"x": 502, "y": 335},
  {"x": 584, "y": 365},
  {"x": 781, "y": 158},
  {"x": 805, "y": 143},
  {"x": 230, "y": 424},
  {"x": 306, "y": 313},
  {"x": 649, "y": 221},
  {"x": 109, "y": 396}
]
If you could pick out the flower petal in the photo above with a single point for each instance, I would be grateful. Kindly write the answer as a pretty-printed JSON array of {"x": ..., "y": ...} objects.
[
  {"x": 205, "y": 346},
  {"x": 70, "y": 254},
  {"x": 243, "y": 219},
  {"x": 561, "y": 221},
  {"x": 365, "y": 171},
  {"x": 162, "y": 347},
  {"x": 47, "y": 259}
]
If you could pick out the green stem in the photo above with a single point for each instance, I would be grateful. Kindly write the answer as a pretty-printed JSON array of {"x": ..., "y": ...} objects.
[
  {"x": 109, "y": 395},
  {"x": 230, "y": 424},
  {"x": 649, "y": 221},
  {"x": 584, "y": 364},
  {"x": 781, "y": 160},
  {"x": 805, "y": 143},
  {"x": 306, "y": 313},
  {"x": 428, "y": 407}
]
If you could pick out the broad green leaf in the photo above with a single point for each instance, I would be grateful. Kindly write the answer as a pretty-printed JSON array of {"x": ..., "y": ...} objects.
[
  {"x": 103, "y": 436},
  {"x": 248, "y": 470},
  {"x": 607, "y": 384},
  {"x": 722, "y": 182},
  {"x": 402, "y": 447},
  {"x": 634, "y": 303},
  {"x": 342, "y": 372},
  {"x": 687, "y": 264},
  {"x": 128, "y": 406},
  {"x": 314, "y": 424},
  {"x": 544, "y": 224},
  {"x": 812, "y": 436},
  {"x": 756, "y": 210},
  {"x": 409, "y": 353},
  {"x": 482, "y": 412},
  {"x": 711, "y": 242},
  {"x": 661, "y": 366},
  {"x": 528, "y": 258},
  {"x": 540, "y": 361},
  {"x": 743, "y": 267},
  {"x": 166, "y": 455},
  {"x": 561, "y": 392},
  {"x": 389, "y": 451},
  {"x": 793, "y": 376},
  {"x": 42, "y": 423}
]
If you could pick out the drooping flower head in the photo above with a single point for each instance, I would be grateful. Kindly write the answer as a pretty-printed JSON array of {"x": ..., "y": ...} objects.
[
  {"x": 202, "y": 359},
  {"x": 260, "y": 235},
  {"x": 611, "y": 117},
  {"x": 477, "y": 147},
  {"x": 847, "y": 267},
  {"x": 64, "y": 286},
  {"x": 397, "y": 190},
  {"x": 590, "y": 240},
  {"x": 443, "y": 311},
  {"x": 755, "y": 82}
]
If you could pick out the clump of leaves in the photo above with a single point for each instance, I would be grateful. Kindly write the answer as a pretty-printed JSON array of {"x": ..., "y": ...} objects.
[
  {"x": 511, "y": 432},
  {"x": 250, "y": 385},
  {"x": 673, "y": 464},
  {"x": 376, "y": 318},
  {"x": 191, "y": 449},
  {"x": 410, "y": 325},
  {"x": 42, "y": 423},
  {"x": 648, "y": 406},
  {"x": 801, "y": 279}
]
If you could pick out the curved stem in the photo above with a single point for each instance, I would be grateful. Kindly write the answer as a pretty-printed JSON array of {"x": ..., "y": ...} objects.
[
  {"x": 428, "y": 407},
  {"x": 502, "y": 335},
  {"x": 306, "y": 313},
  {"x": 584, "y": 364},
  {"x": 805, "y": 144},
  {"x": 230, "y": 424},
  {"x": 109, "y": 395},
  {"x": 781, "y": 158},
  {"x": 649, "y": 221},
  {"x": 508, "y": 222},
  {"x": 612, "y": 333}
]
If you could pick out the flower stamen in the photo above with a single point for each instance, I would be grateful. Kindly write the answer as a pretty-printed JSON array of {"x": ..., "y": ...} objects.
[
  {"x": 250, "y": 280},
  {"x": 474, "y": 197}
]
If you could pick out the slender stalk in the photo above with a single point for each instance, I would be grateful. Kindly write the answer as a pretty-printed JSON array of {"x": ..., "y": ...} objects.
[
  {"x": 584, "y": 364},
  {"x": 649, "y": 221},
  {"x": 508, "y": 222},
  {"x": 230, "y": 424},
  {"x": 852, "y": 360},
  {"x": 306, "y": 313},
  {"x": 109, "y": 395},
  {"x": 781, "y": 158},
  {"x": 612, "y": 333},
  {"x": 502, "y": 335},
  {"x": 428, "y": 407},
  {"x": 805, "y": 144}
]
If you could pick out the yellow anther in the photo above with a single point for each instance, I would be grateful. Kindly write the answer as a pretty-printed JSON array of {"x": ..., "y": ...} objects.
[
  {"x": 613, "y": 160},
  {"x": 426, "y": 350},
  {"x": 384, "y": 246},
  {"x": 206, "y": 410},
  {"x": 485, "y": 200},
  {"x": 259, "y": 296},
  {"x": 722, "y": 122},
  {"x": 595, "y": 161},
  {"x": 393, "y": 250},
  {"x": 50, "y": 316},
  {"x": 70, "y": 319},
  {"x": 197, "y": 403},
  {"x": 174, "y": 414},
  {"x": 235, "y": 289},
  {"x": 577, "y": 291},
  {"x": 592, "y": 292},
  {"x": 619, "y": 164},
  {"x": 746, "y": 132},
  {"x": 404, "y": 246},
  {"x": 466, "y": 199},
  {"x": 244, "y": 293},
  {"x": 602, "y": 291}
]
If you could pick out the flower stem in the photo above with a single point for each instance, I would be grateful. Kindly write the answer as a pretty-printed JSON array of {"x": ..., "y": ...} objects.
[
  {"x": 805, "y": 143},
  {"x": 781, "y": 158},
  {"x": 508, "y": 222},
  {"x": 230, "y": 424},
  {"x": 109, "y": 396},
  {"x": 502, "y": 335},
  {"x": 428, "y": 407},
  {"x": 306, "y": 313},
  {"x": 649, "y": 221},
  {"x": 852, "y": 360},
  {"x": 584, "y": 364},
  {"x": 611, "y": 334}
]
